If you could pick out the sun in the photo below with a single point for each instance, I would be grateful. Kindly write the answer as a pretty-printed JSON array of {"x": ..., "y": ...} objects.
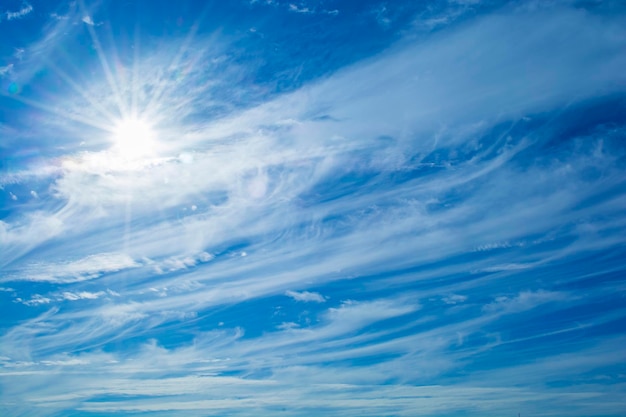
[{"x": 133, "y": 138}]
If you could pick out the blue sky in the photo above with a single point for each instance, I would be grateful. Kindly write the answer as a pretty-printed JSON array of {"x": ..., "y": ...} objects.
[{"x": 339, "y": 208}]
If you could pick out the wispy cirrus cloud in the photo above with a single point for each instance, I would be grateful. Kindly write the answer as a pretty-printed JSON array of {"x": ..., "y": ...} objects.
[
  {"x": 35, "y": 300},
  {"x": 295, "y": 8},
  {"x": 523, "y": 301},
  {"x": 5, "y": 70},
  {"x": 19, "y": 14},
  {"x": 88, "y": 20},
  {"x": 38, "y": 299},
  {"x": 306, "y": 296},
  {"x": 87, "y": 268}
]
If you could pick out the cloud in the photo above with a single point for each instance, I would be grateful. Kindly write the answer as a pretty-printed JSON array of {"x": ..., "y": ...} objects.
[
  {"x": 5, "y": 70},
  {"x": 25, "y": 10},
  {"x": 83, "y": 295},
  {"x": 58, "y": 17},
  {"x": 454, "y": 299},
  {"x": 90, "y": 267},
  {"x": 296, "y": 9},
  {"x": 306, "y": 296},
  {"x": 88, "y": 20},
  {"x": 505, "y": 267},
  {"x": 58, "y": 29},
  {"x": 69, "y": 362},
  {"x": 401, "y": 181},
  {"x": 287, "y": 326},
  {"x": 300, "y": 8},
  {"x": 495, "y": 245},
  {"x": 382, "y": 16},
  {"x": 176, "y": 263},
  {"x": 35, "y": 300},
  {"x": 525, "y": 300}
]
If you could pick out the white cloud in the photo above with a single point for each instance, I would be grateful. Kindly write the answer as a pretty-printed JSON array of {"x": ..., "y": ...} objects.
[
  {"x": 58, "y": 17},
  {"x": 176, "y": 263},
  {"x": 55, "y": 30},
  {"x": 492, "y": 246},
  {"x": 382, "y": 16},
  {"x": 87, "y": 268},
  {"x": 5, "y": 70},
  {"x": 454, "y": 299},
  {"x": 352, "y": 315},
  {"x": 88, "y": 20},
  {"x": 287, "y": 325},
  {"x": 82, "y": 295},
  {"x": 525, "y": 300},
  {"x": 25, "y": 10},
  {"x": 68, "y": 362},
  {"x": 35, "y": 300},
  {"x": 506, "y": 267},
  {"x": 296, "y": 9},
  {"x": 306, "y": 296}
]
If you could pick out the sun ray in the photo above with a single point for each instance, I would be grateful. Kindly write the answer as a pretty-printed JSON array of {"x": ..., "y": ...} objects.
[
  {"x": 53, "y": 110},
  {"x": 185, "y": 45},
  {"x": 105, "y": 66},
  {"x": 82, "y": 92},
  {"x": 135, "y": 71}
]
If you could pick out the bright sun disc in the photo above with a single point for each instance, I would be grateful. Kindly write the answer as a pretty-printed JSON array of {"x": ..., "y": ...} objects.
[{"x": 133, "y": 138}]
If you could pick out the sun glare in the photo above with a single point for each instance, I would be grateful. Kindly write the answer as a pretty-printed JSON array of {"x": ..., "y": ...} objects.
[{"x": 133, "y": 138}]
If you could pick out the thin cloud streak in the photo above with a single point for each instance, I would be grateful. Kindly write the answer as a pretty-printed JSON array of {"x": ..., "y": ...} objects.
[
  {"x": 306, "y": 296},
  {"x": 19, "y": 14}
]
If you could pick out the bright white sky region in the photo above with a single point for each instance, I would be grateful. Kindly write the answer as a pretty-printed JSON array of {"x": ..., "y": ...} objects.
[{"x": 312, "y": 208}]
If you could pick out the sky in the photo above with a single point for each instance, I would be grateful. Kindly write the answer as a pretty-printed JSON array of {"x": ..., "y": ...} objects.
[{"x": 315, "y": 207}]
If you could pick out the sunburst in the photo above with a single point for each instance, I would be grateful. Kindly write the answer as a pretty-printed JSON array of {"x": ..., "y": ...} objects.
[{"x": 133, "y": 138}]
